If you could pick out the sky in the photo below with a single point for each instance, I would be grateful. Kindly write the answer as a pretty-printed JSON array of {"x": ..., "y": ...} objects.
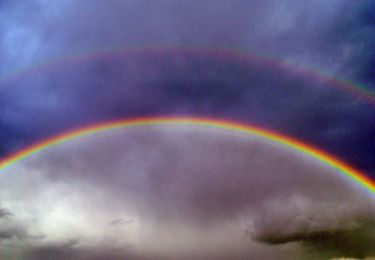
[{"x": 68, "y": 64}]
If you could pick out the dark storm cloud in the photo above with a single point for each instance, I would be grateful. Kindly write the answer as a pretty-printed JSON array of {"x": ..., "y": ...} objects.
[
  {"x": 356, "y": 242},
  {"x": 318, "y": 229}
]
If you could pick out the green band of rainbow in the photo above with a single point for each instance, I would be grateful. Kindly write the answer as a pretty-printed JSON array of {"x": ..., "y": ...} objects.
[{"x": 319, "y": 155}]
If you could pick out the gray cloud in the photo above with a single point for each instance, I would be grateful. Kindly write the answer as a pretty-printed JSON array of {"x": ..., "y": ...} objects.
[
  {"x": 121, "y": 222},
  {"x": 11, "y": 229},
  {"x": 10, "y": 232},
  {"x": 4, "y": 213},
  {"x": 188, "y": 189}
]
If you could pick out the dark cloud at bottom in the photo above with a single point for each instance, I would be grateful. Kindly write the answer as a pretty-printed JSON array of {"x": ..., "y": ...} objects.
[{"x": 189, "y": 191}]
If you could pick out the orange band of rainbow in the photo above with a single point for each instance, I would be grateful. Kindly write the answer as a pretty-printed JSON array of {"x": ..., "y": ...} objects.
[{"x": 321, "y": 156}]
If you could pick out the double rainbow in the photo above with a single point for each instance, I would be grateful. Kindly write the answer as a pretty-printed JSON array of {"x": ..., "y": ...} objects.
[
  {"x": 282, "y": 140},
  {"x": 362, "y": 92}
]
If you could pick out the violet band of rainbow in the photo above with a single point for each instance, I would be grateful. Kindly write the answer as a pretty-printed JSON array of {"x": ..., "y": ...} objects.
[{"x": 325, "y": 158}]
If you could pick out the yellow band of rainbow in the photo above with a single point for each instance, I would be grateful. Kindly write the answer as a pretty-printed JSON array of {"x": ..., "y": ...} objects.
[{"x": 283, "y": 140}]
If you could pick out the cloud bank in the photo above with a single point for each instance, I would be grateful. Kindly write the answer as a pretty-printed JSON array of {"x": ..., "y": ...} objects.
[{"x": 182, "y": 192}]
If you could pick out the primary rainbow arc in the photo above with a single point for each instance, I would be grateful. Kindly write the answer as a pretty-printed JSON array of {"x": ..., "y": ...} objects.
[{"x": 283, "y": 140}]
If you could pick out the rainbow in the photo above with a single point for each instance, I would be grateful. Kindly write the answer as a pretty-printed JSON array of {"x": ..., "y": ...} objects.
[
  {"x": 362, "y": 92},
  {"x": 277, "y": 138}
]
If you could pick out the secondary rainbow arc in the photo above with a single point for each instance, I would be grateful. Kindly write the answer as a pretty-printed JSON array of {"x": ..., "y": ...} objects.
[
  {"x": 283, "y": 140},
  {"x": 363, "y": 92}
]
